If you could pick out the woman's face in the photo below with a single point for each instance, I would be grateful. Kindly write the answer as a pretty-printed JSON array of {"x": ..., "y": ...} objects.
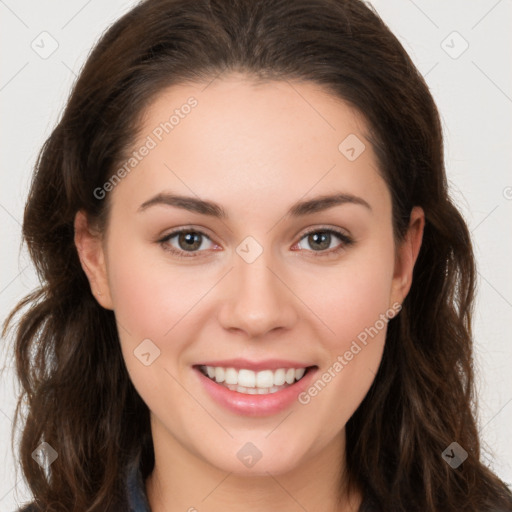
[{"x": 265, "y": 289}]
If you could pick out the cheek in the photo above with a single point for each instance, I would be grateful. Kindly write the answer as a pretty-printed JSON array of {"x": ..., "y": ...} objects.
[
  {"x": 152, "y": 301},
  {"x": 357, "y": 294},
  {"x": 356, "y": 309},
  {"x": 159, "y": 301},
  {"x": 355, "y": 305},
  {"x": 150, "y": 296}
]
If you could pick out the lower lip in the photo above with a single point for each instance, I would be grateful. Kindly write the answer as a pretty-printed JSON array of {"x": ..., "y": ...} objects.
[{"x": 256, "y": 405}]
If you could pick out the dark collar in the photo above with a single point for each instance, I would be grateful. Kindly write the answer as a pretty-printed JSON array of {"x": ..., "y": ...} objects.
[{"x": 136, "y": 489}]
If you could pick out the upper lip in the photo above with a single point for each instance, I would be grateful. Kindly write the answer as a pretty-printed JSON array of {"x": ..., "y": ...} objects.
[{"x": 266, "y": 364}]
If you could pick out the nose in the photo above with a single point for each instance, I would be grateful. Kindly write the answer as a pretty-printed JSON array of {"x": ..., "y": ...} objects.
[{"x": 257, "y": 299}]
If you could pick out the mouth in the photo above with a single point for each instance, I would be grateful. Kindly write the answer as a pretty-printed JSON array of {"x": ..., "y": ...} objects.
[
  {"x": 263, "y": 389},
  {"x": 252, "y": 382}
]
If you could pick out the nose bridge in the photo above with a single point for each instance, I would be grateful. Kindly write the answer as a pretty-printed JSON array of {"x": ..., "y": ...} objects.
[
  {"x": 256, "y": 281},
  {"x": 258, "y": 301}
]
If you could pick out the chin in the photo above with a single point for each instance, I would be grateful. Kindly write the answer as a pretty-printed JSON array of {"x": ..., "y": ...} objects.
[{"x": 257, "y": 459}]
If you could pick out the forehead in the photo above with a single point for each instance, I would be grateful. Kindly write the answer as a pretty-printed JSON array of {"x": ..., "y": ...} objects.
[{"x": 237, "y": 140}]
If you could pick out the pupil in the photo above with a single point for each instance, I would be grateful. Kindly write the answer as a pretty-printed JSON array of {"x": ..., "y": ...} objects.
[
  {"x": 323, "y": 235},
  {"x": 192, "y": 240}
]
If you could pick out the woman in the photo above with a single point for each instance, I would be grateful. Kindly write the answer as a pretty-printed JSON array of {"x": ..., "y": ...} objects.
[{"x": 256, "y": 290}]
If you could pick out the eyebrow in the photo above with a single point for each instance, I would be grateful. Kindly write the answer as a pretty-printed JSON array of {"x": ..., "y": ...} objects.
[{"x": 213, "y": 209}]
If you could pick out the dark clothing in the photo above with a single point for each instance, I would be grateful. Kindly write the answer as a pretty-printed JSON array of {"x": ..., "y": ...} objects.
[{"x": 135, "y": 492}]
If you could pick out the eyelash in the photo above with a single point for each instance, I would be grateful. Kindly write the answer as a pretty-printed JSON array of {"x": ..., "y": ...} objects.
[{"x": 346, "y": 242}]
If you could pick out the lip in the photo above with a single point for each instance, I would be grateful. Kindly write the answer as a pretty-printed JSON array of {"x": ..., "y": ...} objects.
[
  {"x": 267, "y": 364},
  {"x": 255, "y": 405}
]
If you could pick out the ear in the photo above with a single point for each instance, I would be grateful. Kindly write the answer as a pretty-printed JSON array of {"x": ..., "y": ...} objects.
[
  {"x": 406, "y": 256},
  {"x": 89, "y": 245}
]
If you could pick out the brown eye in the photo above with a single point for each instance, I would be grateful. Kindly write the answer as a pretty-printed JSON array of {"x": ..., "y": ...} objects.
[
  {"x": 189, "y": 240},
  {"x": 187, "y": 243},
  {"x": 320, "y": 241}
]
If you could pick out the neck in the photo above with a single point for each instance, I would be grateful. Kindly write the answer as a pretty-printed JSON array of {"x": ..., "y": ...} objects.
[{"x": 182, "y": 481}]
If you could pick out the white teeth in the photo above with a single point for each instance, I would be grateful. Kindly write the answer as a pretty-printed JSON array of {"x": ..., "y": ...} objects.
[
  {"x": 299, "y": 373},
  {"x": 231, "y": 376},
  {"x": 279, "y": 377},
  {"x": 254, "y": 391},
  {"x": 219, "y": 373},
  {"x": 290, "y": 376},
  {"x": 247, "y": 378},
  {"x": 265, "y": 379},
  {"x": 250, "y": 382}
]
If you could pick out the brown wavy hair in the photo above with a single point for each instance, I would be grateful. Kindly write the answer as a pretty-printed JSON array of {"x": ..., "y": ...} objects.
[{"x": 78, "y": 394}]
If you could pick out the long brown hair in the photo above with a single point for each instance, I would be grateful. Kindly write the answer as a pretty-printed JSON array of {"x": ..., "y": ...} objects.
[{"x": 74, "y": 381}]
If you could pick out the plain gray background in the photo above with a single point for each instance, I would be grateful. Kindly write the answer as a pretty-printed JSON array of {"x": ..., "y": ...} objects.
[{"x": 461, "y": 47}]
